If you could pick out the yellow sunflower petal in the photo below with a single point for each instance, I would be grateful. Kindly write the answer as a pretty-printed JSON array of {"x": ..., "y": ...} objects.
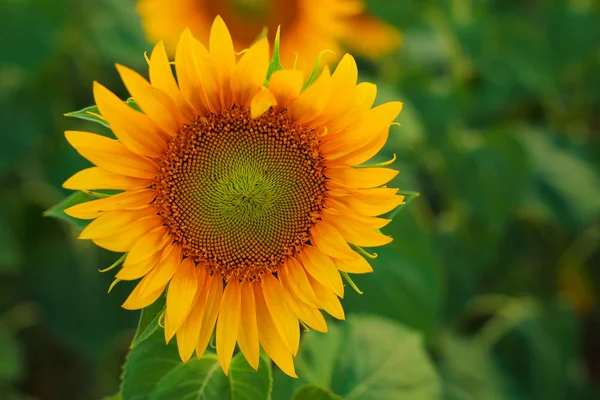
[
  {"x": 357, "y": 265},
  {"x": 155, "y": 282},
  {"x": 285, "y": 320},
  {"x": 248, "y": 329},
  {"x": 286, "y": 85},
  {"x": 228, "y": 323},
  {"x": 214, "y": 285},
  {"x": 134, "y": 129},
  {"x": 180, "y": 297},
  {"x": 292, "y": 272},
  {"x": 131, "y": 233},
  {"x": 123, "y": 201},
  {"x": 187, "y": 335},
  {"x": 111, "y": 155},
  {"x": 195, "y": 74},
  {"x": 261, "y": 102},
  {"x": 269, "y": 335},
  {"x": 330, "y": 241},
  {"x": 161, "y": 77},
  {"x": 354, "y": 232},
  {"x": 250, "y": 72},
  {"x": 223, "y": 54},
  {"x": 335, "y": 207},
  {"x": 372, "y": 206},
  {"x": 112, "y": 222},
  {"x": 328, "y": 300},
  {"x": 308, "y": 314},
  {"x": 361, "y": 177},
  {"x": 156, "y": 104},
  {"x": 318, "y": 265},
  {"x": 148, "y": 244},
  {"x": 95, "y": 178},
  {"x": 138, "y": 299},
  {"x": 313, "y": 100},
  {"x": 136, "y": 271}
]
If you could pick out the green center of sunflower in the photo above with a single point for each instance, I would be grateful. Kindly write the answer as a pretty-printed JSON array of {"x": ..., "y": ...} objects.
[{"x": 240, "y": 194}]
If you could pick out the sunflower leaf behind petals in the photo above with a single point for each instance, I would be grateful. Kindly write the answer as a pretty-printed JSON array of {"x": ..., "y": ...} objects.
[
  {"x": 148, "y": 323},
  {"x": 154, "y": 370},
  {"x": 275, "y": 64}
]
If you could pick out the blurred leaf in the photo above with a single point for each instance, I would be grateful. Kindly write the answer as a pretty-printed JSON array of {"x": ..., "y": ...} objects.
[
  {"x": 538, "y": 348},
  {"x": 367, "y": 358},
  {"x": 90, "y": 113},
  {"x": 491, "y": 175},
  {"x": 406, "y": 282},
  {"x": 148, "y": 323},
  {"x": 314, "y": 392},
  {"x": 63, "y": 279},
  {"x": 26, "y": 49},
  {"x": 154, "y": 370},
  {"x": 468, "y": 371},
  {"x": 11, "y": 361},
  {"x": 58, "y": 210},
  {"x": 114, "y": 397},
  {"x": 573, "y": 181}
]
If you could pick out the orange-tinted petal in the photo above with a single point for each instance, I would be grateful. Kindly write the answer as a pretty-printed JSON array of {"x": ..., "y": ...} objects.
[
  {"x": 286, "y": 85},
  {"x": 361, "y": 177},
  {"x": 250, "y": 72},
  {"x": 131, "y": 233}
]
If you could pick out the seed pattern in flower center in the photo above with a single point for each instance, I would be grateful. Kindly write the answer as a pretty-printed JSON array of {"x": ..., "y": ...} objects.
[{"x": 240, "y": 194}]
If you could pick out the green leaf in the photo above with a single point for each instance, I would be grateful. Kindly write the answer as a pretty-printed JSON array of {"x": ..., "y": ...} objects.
[
  {"x": 58, "y": 210},
  {"x": 90, "y": 113},
  {"x": 11, "y": 362},
  {"x": 275, "y": 64},
  {"x": 366, "y": 358},
  {"x": 154, "y": 371},
  {"x": 468, "y": 370},
  {"x": 314, "y": 392},
  {"x": 113, "y": 397},
  {"x": 148, "y": 323}
]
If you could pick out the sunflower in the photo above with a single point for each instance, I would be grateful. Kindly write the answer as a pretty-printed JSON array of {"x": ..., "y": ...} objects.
[
  {"x": 238, "y": 193},
  {"x": 314, "y": 24}
]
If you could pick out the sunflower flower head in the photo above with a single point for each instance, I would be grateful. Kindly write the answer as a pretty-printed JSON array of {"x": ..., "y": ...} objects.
[
  {"x": 314, "y": 24},
  {"x": 239, "y": 193}
]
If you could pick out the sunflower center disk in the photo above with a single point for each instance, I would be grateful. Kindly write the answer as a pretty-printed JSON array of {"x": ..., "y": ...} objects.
[{"x": 240, "y": 195}]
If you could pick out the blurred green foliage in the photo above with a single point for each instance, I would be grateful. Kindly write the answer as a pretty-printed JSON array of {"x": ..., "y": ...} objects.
[{"x": 495, "y": 264}]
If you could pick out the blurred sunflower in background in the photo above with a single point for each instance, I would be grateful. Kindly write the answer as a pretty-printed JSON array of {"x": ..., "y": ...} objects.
[
  {"x": 313, "y": 25},
  {"x": 241, "y": 199}
]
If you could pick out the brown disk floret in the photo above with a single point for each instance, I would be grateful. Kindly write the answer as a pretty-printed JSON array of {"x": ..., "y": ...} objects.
[{"x": 240, "y": 194}]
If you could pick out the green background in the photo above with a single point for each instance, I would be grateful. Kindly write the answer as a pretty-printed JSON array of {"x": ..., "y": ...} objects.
[{"x": 492, "y": 279}]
